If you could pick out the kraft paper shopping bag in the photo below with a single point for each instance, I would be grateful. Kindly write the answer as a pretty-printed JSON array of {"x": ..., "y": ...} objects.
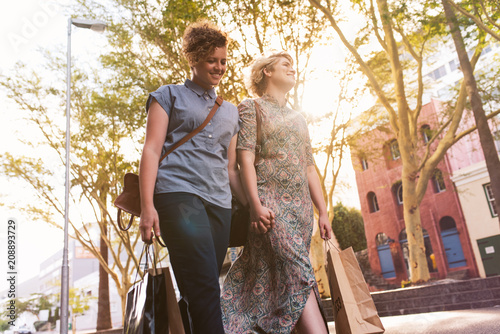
[{"x": 353, "y": 307}]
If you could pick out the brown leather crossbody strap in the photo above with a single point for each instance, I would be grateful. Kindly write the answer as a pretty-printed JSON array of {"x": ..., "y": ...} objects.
[
  {"x": 258, "y": 119},
  {"x": 218, "y": 103}
]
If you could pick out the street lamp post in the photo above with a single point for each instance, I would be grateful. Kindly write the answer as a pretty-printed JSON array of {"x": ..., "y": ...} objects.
[{"x": 98, "y": 26}]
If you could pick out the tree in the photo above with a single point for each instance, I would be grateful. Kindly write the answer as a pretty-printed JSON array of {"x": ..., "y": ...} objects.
[
  {"x": 258, "y": 27},
  {"x": 484, "y": 13},
  {"x": 347, "y": 224},
  {"x": 485, "y": 136},
  {"x": 329, "y": 155},
  {"x": 98, "y": 163},
  {"x": 4, "y": 325},
  {"x": 414, "y": 25},
  {"x": 33, "y": 304},
  {"x": 79, "y": 305}
]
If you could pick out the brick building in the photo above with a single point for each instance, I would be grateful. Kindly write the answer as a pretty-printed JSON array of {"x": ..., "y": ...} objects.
[{"x": 377, "y": 166}]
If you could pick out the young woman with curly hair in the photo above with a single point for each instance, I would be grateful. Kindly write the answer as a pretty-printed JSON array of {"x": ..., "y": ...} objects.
[
  {"x": 187, "y": 198},
  {"x": 271, "y": 287}
]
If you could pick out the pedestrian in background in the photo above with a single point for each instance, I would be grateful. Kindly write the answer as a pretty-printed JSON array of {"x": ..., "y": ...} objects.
[
  {"x": 187, "y": 198},
  {"x": 271, "y": 287}
]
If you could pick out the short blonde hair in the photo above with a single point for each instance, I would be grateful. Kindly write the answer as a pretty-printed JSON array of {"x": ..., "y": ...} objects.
[
  {"x": 256, "y": 82},
  {"x": 200, "y": 40}
]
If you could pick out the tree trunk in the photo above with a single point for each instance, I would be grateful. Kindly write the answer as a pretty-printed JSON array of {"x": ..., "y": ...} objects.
[
  {"x": 483, "y": 129},
  {"x": 419, "y": 272},
  {"x": 405, "y": 122},
  {"x": 103, "y": 306}
]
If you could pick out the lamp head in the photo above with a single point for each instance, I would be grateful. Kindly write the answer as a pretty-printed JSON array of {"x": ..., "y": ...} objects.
[{"x": 95, "y": 25}]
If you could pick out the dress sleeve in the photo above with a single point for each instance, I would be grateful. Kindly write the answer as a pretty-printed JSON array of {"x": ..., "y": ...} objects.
[
  {"x": 247, "y": 136},
  {"x": 308, "y": 150},
  {"x": 163, "y": 96}
]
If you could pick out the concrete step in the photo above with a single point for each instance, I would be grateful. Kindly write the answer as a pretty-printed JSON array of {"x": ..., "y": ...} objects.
[
  {"x": 374, "y": 281},
  {"x": 442, "y": 295},
  {"x": 458, "y": 275}
]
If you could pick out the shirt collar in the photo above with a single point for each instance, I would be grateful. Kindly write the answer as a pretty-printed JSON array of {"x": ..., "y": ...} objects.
[
  {"x": 272, "y": 100},
  {"x": 199, "y": 90}
]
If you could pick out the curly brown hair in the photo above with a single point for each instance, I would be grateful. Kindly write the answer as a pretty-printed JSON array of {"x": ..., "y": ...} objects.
[{"x": 200, "y": 40}]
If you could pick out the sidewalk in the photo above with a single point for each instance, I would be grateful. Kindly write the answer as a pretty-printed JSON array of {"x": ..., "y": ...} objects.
[{"x": 475, "y": 321}]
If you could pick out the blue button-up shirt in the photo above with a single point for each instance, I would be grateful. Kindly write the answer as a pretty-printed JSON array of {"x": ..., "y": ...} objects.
[{"x": 199, "y": 166}]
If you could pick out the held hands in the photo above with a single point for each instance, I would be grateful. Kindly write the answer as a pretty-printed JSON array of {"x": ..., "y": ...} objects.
[
  {"x": 149, "y": 225},
  {"x": 325, "y": 228},
  {"x": 262, "y": 219}
]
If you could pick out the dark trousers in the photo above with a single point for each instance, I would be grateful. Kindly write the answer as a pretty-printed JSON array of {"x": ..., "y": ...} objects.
[{"x": 197, "y": 235}]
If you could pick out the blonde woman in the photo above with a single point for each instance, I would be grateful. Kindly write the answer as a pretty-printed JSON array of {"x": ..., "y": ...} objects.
[{"x": 271, "y": 287}]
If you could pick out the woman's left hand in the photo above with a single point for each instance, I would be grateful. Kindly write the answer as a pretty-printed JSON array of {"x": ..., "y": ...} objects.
[
  {"x": 325, "y": 228},
  {"x": 262, "y": 220}
]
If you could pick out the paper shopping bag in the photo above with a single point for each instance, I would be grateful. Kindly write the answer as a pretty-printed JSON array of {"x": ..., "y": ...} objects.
[
  {"x": 151, "y": 306},
  {"x": 146, "y": 307},
  {"x": 353, "y": 308},
  {"x": 175, "y": 324}
]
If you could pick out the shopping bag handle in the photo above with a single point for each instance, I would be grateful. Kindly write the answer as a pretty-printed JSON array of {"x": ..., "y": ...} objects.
[
  {"x": 148, "y": 257},
  {"x": 329, "y": 244}
]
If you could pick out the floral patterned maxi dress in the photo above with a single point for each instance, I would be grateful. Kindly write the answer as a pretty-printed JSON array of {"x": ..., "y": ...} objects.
[{"x": 267, "y": 287}]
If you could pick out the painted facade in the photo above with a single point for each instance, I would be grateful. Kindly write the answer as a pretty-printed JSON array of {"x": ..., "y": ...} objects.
[
  {"x": 472, "y": 184},
  {"x": 378, "y": 176}
]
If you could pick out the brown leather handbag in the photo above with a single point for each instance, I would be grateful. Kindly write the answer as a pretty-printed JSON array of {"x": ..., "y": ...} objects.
[
  {"x": 240, "y": 214},
  {"x": 130, "y": 198}
]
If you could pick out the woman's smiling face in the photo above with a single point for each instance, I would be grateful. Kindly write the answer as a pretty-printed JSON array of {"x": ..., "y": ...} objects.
[
  {"x": 208, "y": 72},
  {"x": 283, "y": 74}
]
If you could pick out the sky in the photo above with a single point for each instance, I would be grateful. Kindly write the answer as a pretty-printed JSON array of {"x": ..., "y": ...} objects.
[{"x": 29, "y": 25}]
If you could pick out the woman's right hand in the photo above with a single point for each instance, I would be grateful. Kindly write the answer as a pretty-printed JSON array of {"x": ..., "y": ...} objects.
[
  {"x": 149, "y": 225},
  {"x": 261, "y": 219}
]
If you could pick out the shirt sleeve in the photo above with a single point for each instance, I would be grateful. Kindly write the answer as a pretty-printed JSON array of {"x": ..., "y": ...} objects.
[
  {"x": 163, "y": 96},
  {"x": 234, "y": 117},
  {"x": 247, "y": 136}
]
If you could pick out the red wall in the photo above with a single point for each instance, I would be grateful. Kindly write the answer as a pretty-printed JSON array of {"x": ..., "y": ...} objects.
[{"x": 381, "y": 175}]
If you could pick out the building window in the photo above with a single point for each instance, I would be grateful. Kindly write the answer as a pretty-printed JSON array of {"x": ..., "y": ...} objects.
[
  {"x": 491, "y": 199},
  {"x": 438, "y": 72},
  {"x": 372, "y": 202},
  {"x": 454, "y": 64},
  {"x": 397, "y": 190},
  {"x": 383, "y": 239},
  {"x": 426, "y": 133},
  {"x": 364, "y": 163},
  {"x": 395, "y": 150},
  {"x": 399, "y": 194},
  {"x": 438, "y": 181},
  {"x": 486, "y": 50}
]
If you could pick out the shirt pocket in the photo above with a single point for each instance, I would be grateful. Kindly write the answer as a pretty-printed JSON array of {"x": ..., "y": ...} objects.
[{"x": 223, "y": 127}]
